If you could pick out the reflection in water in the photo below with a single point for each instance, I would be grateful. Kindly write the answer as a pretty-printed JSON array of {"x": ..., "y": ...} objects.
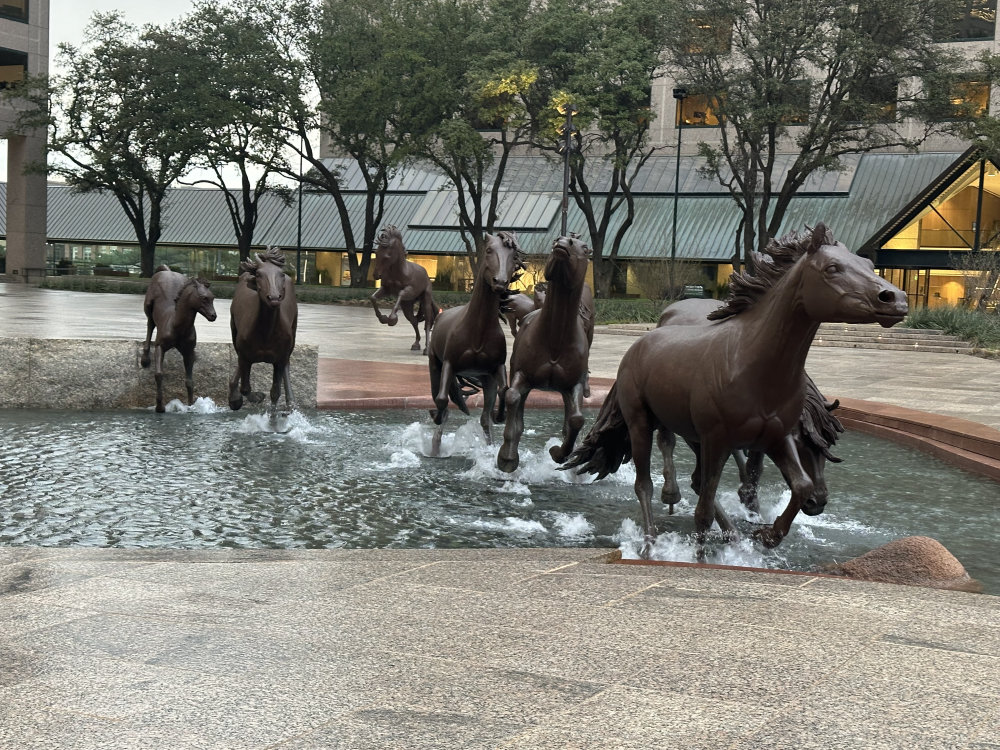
[{"x": 207, "y": 477}]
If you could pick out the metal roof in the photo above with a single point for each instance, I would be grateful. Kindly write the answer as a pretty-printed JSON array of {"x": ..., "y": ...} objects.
[{"x": 882, "y": 188}]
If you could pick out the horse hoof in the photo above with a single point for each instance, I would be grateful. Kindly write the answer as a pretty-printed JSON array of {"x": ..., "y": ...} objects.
[
  {"x": 255, "y": 397},
  {"x": 160, "y": 409},
  {"x": 507, "y": 464},
  {"x": 767, "y": 536},
  {"x": 391, "y": 320},
  {"x": 557, "y": 454},
  {"x": 235, "y": 404},
  {"x": 417, "y": 348}
]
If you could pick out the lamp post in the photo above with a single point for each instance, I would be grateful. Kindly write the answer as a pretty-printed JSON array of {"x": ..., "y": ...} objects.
[
  {"x": 568, "y": 110},
  {"x": 298, "y": 247},
  {"x": 680, "y": 94}
]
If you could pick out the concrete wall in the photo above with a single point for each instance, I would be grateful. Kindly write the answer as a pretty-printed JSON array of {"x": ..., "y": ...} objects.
[
  {"x": 105, "y": 374},
  {"x": 27, "y": 194}
]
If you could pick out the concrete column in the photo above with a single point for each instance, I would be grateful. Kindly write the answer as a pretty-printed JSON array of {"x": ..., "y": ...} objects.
[{"x": 26, "y": 209}]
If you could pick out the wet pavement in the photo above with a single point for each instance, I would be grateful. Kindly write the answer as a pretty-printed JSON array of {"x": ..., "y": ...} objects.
[{"x": 505, "y": 649}]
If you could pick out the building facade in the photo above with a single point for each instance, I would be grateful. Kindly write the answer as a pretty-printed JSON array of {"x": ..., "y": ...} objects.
[{"x": 24, "y": 51}]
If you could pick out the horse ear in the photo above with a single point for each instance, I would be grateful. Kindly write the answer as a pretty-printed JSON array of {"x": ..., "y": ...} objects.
[{"x": 820, "y": 236}]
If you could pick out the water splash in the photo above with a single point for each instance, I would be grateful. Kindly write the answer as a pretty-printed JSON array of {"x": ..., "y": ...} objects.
[{"x": 201, "y": 405}]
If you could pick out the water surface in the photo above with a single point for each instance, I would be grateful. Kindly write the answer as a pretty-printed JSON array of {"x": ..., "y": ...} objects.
[{"x": 207, "y": 477}]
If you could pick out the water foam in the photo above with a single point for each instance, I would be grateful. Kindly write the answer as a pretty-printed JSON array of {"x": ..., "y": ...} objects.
[{"x": 201, "y": 405}]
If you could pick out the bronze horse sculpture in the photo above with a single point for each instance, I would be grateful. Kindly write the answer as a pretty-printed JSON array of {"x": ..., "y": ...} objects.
[
  {"x": 264, "y": 317},
  {"x": 817, "y": 431},
  {"x": 552, "y": 350},
  {"x": 468, "y": 349},
  {"x": 520, "y": 305},
  {"x": 171, "y": 304},
  {"x": 407, "y": 281},
  {"x": 737, "y": 384}
]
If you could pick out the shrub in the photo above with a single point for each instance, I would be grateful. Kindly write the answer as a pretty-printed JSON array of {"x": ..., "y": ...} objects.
[{"x": 980, "y": 328}]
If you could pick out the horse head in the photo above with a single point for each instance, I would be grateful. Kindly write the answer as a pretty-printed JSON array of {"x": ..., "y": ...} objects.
[
  {"x": 568, "y": 262},
  {"x": 267, "y": 276},
  {"x": 817, "y": 432},
  {"x": 389, "y": 251},
  {"x": 206, "y": 299},
  {"x": 841, "y": 287},
  {"x": 503, "y": 261}
]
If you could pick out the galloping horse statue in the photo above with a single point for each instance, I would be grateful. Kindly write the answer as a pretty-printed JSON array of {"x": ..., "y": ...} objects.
[
  {"x": 172, "y": 301},
  {"x": 264, "y": 317},
  {"x": 737, "y": 384},
  {"x": 519, "y": 306},
  {"x": 408, "y": 281},
  {"x": 552, "y": 350},
  {"x": 468, "y": 349},
  {"x": 817, "y": 431}
]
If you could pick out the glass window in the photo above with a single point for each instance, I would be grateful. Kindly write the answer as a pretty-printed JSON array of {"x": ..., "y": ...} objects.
[
  {"x": 875, "y": 99},
  {"x": 709, "y": 34},
  {"x": 965, "y": 100},
  {"x": 970, "y": 19},
  {"x": 16, "y": 9},
  {"x": 13, "y": 67},
  {"x": 697, "y": 111}
]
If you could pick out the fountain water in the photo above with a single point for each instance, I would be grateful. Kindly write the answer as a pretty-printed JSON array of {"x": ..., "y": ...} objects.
[{"x": 333, "y": 479}]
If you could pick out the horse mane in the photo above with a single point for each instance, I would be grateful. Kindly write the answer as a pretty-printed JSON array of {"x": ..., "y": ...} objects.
[
  {"x": 273, "y": 255},
  {"x": 817, "y": 425},
  {"x": 747, "y": 288},
  {"x": 509, "y": 240}
]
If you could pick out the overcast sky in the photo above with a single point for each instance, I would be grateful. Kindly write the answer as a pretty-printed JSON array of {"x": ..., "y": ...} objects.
[{"x": 67, "y": 18}]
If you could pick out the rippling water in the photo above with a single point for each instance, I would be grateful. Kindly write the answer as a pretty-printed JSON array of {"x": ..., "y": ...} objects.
[{"x": 208, "y": 477}]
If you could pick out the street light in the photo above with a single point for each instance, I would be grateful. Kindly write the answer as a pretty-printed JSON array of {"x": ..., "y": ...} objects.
[
  {"x": 568, "y": 110},
  {"x": 298, "y": 247},
  {"x": 680, "y": 94}
]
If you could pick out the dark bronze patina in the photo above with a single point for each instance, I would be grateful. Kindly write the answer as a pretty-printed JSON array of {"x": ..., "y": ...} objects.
[
  {"x": 552, "y": 350},
  {"x": 817, "y": 431},
  {"x": 264, "y": 315},
  {"x": 737, "y": 384},
  {"x": 172, "y": 301},
  {"x": 405, "y": 280},
  {"x": 468, "y": 349}
]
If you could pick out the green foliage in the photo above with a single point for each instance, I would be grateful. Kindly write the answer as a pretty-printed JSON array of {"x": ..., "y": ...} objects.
[
  {"x": 627, "y": 310},
  {"x": 981, "y": 329},
  {"x": 752, "y": 59}
]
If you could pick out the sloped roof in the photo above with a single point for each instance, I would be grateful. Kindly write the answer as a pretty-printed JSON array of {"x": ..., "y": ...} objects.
[{"x": 873, "y": 192}]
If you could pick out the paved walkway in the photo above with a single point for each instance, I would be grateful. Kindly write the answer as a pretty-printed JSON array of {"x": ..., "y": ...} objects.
[{"x": 532, "y": 649}]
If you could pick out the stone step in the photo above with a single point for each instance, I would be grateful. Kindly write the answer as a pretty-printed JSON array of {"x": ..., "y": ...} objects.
[{"x": 850, "y": 336}]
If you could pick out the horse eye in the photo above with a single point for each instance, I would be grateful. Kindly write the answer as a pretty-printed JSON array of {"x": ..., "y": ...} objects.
[{"x": 832, "y": 268}]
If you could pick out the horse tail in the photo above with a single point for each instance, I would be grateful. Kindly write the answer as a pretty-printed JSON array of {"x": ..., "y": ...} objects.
[
  {"x": 432, "y": 309},
  {"x": 607, "y": 446}
]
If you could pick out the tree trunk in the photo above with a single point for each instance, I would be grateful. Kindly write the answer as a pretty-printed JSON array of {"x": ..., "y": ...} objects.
[
  {"x": 147, "y": 258},
  {"x": 604, "y": 273}
]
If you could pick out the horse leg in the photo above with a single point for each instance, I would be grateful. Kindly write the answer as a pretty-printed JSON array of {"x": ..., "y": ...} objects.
[
  {"x": 750, "y": 474},
  {"x": 500, "y": 412},
  {"x": 640, "y": 433},
  {"x": 239, "y": 384},
  {"x": 508, "y": 457},
  {"x": 429, "y": 313},
  {"x": 670, "y": 495},
  {"x": 379, "y": 294},
  {"x": 286, "y": 380},
  {"x": 490, "y": 388},
  {"x": 187, "y": 352},
  {"x": 410, "y": 314},
  {"x": 786, "y": 458},
  {"x": 150, "y": 325},
  {"x": 276, "y": 382},
  {"x": 158, "y": 376},
  {"x": 572, "y": 423},
  {"x": 713, "y": 459}
]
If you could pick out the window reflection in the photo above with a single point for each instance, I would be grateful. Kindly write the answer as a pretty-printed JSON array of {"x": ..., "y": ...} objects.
[
  {"x": 16, "y": 9},
  {"x": 698, "y": 110}
]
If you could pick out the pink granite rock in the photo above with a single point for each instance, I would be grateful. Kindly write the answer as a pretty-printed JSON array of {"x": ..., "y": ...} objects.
[{"x": 912, "y": 560}]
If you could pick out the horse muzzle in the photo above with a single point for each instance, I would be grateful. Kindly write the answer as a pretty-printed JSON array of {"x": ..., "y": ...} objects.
[{"x": 892, "y": 307}]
